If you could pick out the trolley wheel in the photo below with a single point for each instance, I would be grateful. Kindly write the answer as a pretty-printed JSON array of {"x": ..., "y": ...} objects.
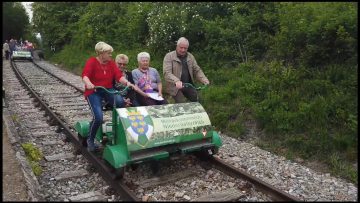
[
  {"x": 155, "y": 167},
  {"x": 203, "y": 155},
  {"x": 91, "y": 168},
  {"x": 215, "y": 151},
  {"x": 77, "y": 151},
  {"x": 119, "y": 173},
  {"x": 104, "y": 141},
  {"x": 67, "y": 139},
  {"x": 82, "y": 141},
  {"x": 134, "y": 166}
]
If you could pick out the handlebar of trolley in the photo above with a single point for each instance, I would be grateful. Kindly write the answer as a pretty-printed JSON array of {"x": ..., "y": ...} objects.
[
  {"x": 112, "y": 92},
  {"x": 197, "y": 88}
]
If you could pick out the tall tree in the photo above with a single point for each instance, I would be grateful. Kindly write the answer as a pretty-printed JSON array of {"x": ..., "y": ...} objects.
[
  {"x": 15, "y": 20},
  {"x": 57, "y": 21}
]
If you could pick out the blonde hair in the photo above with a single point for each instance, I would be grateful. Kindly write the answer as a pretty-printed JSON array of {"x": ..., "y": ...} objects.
[
  {"x": 121, "y": 56},
  {"x": 143, "y": 55},
  {"x": 101, "y": 47}
]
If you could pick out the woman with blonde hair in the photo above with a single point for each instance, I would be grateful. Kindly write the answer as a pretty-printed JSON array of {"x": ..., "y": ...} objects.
[{"x": 101, "y": 71}]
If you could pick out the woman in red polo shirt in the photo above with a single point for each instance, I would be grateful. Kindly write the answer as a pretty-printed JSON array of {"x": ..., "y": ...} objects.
[{"x": 101, "y": 71}]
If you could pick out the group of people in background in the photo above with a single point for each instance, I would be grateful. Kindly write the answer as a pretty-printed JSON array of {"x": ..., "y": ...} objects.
[
  {"x": 14, "y": 45},
  {"x": 179, "y": 66}
]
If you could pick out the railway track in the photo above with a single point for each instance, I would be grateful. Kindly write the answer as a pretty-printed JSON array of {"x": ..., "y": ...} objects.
[{"x": 64, "y": 104}]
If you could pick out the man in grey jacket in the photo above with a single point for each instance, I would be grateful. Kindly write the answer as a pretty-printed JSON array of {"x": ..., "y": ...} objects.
[{"x": 180, "y": 67}]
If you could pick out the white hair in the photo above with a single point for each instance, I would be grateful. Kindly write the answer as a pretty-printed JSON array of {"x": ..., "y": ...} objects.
[
  {"x": 101, "y": 47},
  {"x": 182, "y": 40},
  {"x": 143, "y": 55}
]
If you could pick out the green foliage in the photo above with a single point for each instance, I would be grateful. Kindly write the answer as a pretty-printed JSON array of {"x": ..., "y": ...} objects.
[
  {"x": 32, "y": 152},
  {"x": 73, "y": 63},
  {"x": 97, "y": 18},
  {"x": 316, "y": 34},
  {"x": 306, "y": 113},
  {"x": 131, "y": 27},
  {"x": 34, "y": 155},
  {"x": 14, "y": 118},
  {"x": 164, "y": 27},
  {"x": 343, "y": 169},
  {"x": 15, "y": 21},
  {"x": 245, "y": 33},
  {"x": 57, "y": 21}
]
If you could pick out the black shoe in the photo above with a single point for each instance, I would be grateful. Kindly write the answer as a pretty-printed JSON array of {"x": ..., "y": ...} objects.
[{"x": 92, "y": 147}]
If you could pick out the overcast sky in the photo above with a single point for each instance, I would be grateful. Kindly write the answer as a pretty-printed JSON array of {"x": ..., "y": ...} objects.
[{"x": 27, "y": 6}]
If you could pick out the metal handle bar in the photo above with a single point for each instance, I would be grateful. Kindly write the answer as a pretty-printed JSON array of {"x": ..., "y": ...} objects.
[
  {"x": 112, "y": 92},
  {"x": 197, "y": 88}
]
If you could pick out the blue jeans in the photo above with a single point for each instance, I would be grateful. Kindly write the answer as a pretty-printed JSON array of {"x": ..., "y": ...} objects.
[{"x": 94, "y": 101}]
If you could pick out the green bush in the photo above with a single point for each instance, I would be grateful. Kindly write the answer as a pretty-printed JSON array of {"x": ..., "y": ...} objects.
[
  {"x": 33, "y": 155},
  {"x": 32, "y": 152},
  {"x": 339, "y": 166}
]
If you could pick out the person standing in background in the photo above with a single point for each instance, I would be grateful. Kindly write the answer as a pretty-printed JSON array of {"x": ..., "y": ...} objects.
[
  {"x": 6, "y": 49},
  {"x": 12, "y": 46}
]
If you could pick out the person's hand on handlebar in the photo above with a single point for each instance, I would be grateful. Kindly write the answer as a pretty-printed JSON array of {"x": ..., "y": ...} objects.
[
  {"x": 179, "y": 84},
  {"x": 206, "y": 82},
  {"x": 127, "y": 101},
  {"x": 128, "y": 84},
  {"x": 90, "y": 85}
]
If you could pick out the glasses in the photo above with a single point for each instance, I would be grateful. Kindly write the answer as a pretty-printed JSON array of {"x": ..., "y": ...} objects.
[{"x": 122, "y": 64}]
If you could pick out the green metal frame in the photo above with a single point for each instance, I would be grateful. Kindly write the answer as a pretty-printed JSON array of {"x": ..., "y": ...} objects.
[{"x": 118, "y": 149}]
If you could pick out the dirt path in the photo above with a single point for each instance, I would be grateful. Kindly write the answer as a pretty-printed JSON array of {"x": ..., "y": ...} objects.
[{"x": 13, "y": 182}]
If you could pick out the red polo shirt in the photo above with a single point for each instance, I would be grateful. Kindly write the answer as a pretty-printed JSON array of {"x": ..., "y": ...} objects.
[{"x": 100, "y": 74}]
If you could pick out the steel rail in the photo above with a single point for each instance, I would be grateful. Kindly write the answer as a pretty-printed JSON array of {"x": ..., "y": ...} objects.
[
  {"x": 232, "y": 171},
  {"x": 57, "y": 77}
]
